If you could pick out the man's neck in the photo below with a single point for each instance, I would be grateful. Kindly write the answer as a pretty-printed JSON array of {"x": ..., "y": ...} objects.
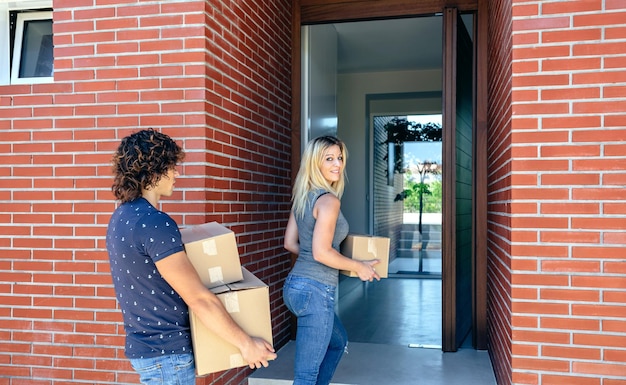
[{"x": 151, "y": 197}]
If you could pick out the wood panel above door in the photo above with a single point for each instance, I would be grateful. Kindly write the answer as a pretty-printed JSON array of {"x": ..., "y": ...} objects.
[{"x": 318, "y": 11}]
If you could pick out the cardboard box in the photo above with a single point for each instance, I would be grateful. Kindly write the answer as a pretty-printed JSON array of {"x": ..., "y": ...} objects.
[
  {"x": 366, "y": 247},
  {"x": 248, "y": 303},
  {"x": 212, "y": 249}
]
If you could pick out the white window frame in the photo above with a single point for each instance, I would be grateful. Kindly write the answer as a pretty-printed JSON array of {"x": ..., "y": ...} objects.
[
  {"x": 6, "y": 7},
  {"x": 22, "y": 18}
]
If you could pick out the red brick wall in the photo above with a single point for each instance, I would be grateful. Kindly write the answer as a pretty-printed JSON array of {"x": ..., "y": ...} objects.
[
  {"x": 499, "y": 190},
  {"x": 556, "y": 192},
  {"x": 215, "y": 75}
]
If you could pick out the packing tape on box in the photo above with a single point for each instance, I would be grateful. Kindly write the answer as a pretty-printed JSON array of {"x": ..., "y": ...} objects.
[
  {"x": 371, "y": 247},
  {"x": 209, "y": 247},
  {"x": 216, "y": 274},
  {"x": 236, "y": 360},
  {"x": 231, "y": 302}
]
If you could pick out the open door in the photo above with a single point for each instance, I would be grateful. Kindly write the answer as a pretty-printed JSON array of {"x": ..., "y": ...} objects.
[
  {"x": 463, "y": 95},
  {"x": 458, "y": 127}
]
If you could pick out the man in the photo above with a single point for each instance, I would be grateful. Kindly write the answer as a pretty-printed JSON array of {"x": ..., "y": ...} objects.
[{"x": 154, "y": 281}]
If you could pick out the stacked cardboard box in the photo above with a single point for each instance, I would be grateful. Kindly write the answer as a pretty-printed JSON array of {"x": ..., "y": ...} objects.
[
  {"x": 212, "y": 249},
  {"x": 367, "y": 247}
]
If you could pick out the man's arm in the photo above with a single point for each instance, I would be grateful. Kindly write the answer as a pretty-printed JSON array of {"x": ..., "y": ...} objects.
[{"x": 178, "y": 271}]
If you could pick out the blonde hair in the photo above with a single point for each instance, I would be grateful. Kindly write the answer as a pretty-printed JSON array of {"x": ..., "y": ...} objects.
[{"x": 310, "y": 176}]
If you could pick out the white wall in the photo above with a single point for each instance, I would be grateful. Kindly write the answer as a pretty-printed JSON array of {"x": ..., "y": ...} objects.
[
  {"x": 319, "y": 108},
  {"x": 352, "y": 90}
]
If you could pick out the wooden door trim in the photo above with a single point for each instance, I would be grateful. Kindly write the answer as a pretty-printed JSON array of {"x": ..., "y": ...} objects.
[
  {"x": 448, "y": 234},
  {"x": 325, "y": 11},
  {"x": 479, "y": 227}
]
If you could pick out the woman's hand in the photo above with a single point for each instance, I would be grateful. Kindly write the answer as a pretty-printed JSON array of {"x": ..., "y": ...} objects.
[{"x": 367, "y": 271}]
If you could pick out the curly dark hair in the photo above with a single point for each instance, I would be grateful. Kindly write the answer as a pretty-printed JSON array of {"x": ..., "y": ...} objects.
[{"x": 140, "y": 161}]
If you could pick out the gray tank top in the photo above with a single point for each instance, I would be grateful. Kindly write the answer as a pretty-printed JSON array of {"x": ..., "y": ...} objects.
[{"x": 306, "y": 266}]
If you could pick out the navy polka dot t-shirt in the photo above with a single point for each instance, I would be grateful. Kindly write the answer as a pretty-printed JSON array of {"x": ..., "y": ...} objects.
[{"x": 156, "y": 319}]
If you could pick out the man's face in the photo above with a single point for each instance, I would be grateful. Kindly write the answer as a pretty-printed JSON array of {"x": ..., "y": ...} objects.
[{"x": 165, "y": 185}]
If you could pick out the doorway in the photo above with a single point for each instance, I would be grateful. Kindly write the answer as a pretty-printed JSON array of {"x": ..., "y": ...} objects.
[{"x": 356, "y": 94}]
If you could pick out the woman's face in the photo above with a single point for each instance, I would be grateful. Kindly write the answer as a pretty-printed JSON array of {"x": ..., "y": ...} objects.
[{"x": 332, "y": 164}]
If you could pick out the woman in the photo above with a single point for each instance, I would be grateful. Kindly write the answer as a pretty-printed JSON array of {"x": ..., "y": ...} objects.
[
  {"x": 154, "y": 281},
  {"x": 314, "y": 231}
]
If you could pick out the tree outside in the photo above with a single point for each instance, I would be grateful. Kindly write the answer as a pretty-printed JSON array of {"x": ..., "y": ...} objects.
[{"x": 432, "y": 197}]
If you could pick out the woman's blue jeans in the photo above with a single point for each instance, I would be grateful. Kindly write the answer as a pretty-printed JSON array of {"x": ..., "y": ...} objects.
[
  {"x": 172, "y": 369},
  {"x": 320, "y": 338}
]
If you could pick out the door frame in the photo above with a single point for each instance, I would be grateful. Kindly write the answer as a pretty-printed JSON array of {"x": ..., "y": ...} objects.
[{"x": 327, "y": 11}]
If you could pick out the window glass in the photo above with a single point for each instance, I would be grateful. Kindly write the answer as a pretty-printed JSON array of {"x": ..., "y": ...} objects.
[{"x": 37, "y": 50}]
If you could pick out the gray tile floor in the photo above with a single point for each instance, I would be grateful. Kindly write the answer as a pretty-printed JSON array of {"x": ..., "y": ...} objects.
[
  {"x": 394, "y": 311},
  {"x": 379, "y": 364},
  {"x": 394, "y": 328}
]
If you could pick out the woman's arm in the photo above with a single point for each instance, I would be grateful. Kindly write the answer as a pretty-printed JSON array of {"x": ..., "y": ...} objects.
[
  {"x": 326, "y": 212},
  {"x": 291, "y": 235},
  {"x": 178, "y": 271}
]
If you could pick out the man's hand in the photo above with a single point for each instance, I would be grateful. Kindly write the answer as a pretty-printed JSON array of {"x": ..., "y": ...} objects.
[{"x": 258, "y": 353}]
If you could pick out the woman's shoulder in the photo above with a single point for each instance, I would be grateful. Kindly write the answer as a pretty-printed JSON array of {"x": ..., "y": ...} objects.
[
  {"x": 328, "y": 200},
  {"x": 316, "y": 194}
]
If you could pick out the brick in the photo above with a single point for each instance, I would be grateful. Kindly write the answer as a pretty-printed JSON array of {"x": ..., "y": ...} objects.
[
  {"x": 591, "y": 107},
  {"x": 603, "y": 340},
  {"x": 572, "y": 266},
  {"x": 524, "y": 378},
  {"x": 615, "y": 296},
  {"x": 525, "y": 350},
  {"x": 571, "y": 64},
  {"x": 613, "y": 325},
  {"x": 614, "y": 238},
  {"x": 170, "y": 45},
  {"x": 571, "y": 352},
  {"x": 554, "y": 379},
  {"x": 598, "y": 368},
  {"x": 598, "y": 77},
  {"x": 544, "y": 308},
  {"x": 541, "y": 364},
  {"x": 606, "y": 223},
  {"x": 612, "y": 135},
  {"x": 597, "y": 164},
  {"x": 560, "y": 179},
  {"x": 611, "y": 267},
  {"x": 571, "y": 151},
  {"x": 525, "y": 321},
  {"x": 571, "y": 35},
  {"x": 615, "y": 355},
  {"x": 597, "y": 252}
]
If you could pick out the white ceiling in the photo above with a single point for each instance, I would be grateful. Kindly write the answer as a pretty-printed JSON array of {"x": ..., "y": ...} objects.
[{"x": 391, "y": 45}]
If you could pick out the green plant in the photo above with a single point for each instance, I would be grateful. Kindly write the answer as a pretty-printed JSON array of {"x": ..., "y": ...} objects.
[
  {"x": 432, "y": 196},
  {"x": 419, "y": 189},
  {"x": 400, "y": 130}
]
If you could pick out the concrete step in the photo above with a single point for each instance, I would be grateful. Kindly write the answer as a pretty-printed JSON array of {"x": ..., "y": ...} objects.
[
  {"x": 426, "y": 227},
  {"x": 410, "y": 253},
  {"x": 413, "y": 245},
  {"x": 434, "y": 235}
]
